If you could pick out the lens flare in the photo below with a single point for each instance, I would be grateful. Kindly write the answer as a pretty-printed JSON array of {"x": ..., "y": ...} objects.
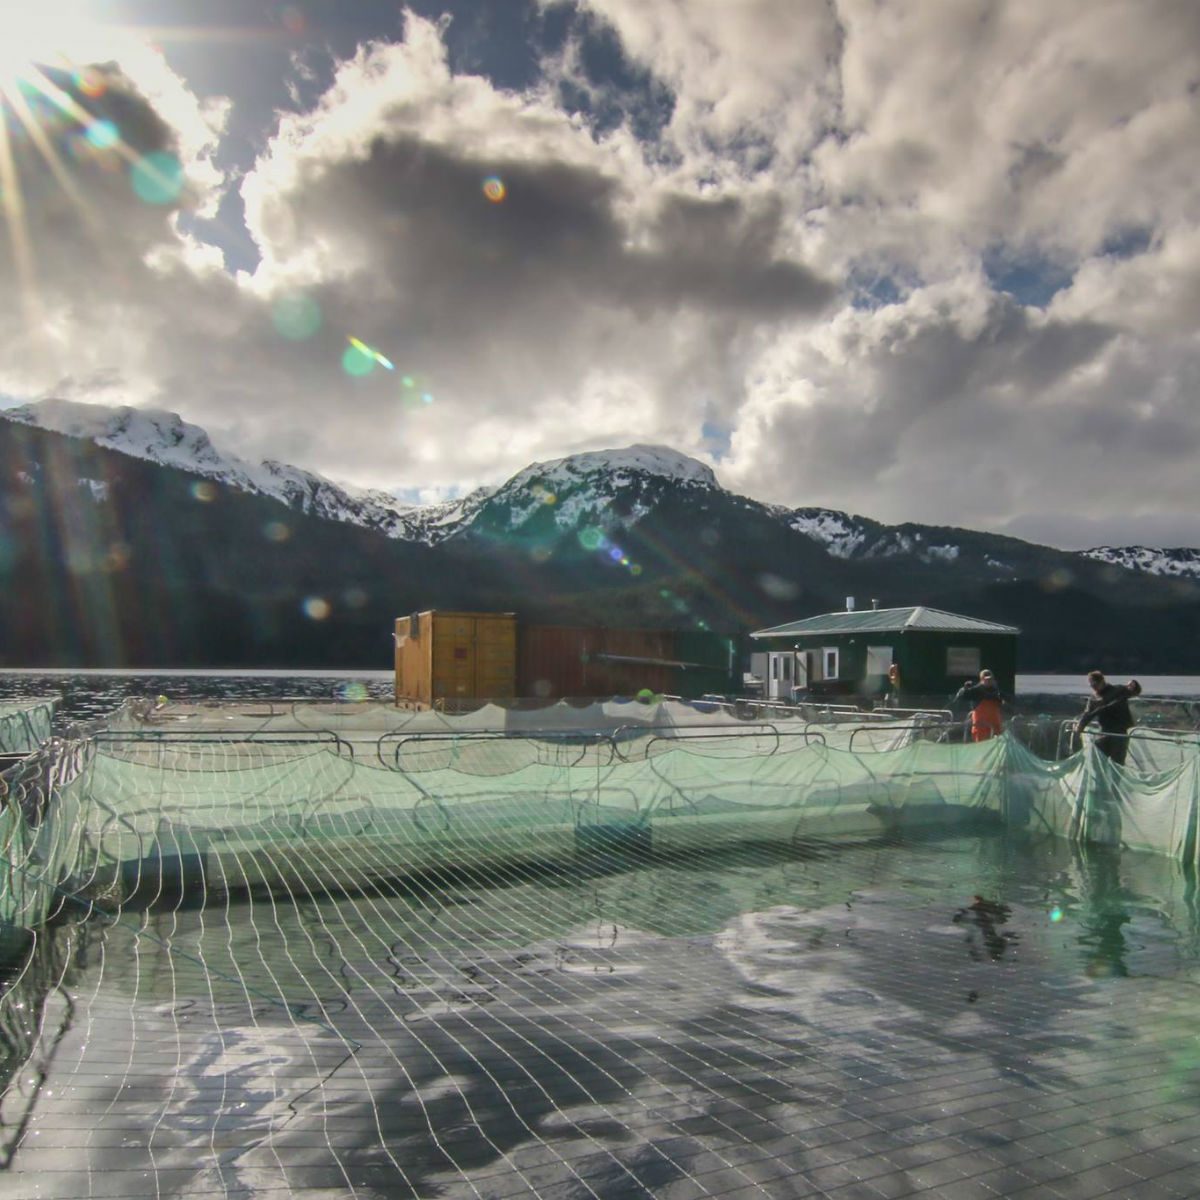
[
  {"x": 89, "y": 82},
  {"x": 102, "y": 135},
  {"x": 157, "y": 178},
  {"x": 294, "y": 21},
  {"x": 297, "y": 316},
  {"x": 276, "y": 531},
  {"x": 357, "y": 362},
  {"x": 494, "y": 189},
  {"x": 1056, "y": 914},
  {"x": 316, "y": 608},
  {"x": 203, "y": 491},
  {"x": 364, "y": 353}
]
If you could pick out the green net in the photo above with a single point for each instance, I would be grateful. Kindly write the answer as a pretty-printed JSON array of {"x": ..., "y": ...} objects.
[
  {"x": 417, "y": 961},
  {"x": 285, "y": 810},
  {"x": 25, "y": 724}
]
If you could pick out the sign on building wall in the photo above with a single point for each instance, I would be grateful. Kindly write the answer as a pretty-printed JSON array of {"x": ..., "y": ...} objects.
[{"x": 962, "y": 660}]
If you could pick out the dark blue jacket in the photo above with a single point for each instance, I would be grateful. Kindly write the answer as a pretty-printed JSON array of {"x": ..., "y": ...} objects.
[{"x": 1109, "y": 709}]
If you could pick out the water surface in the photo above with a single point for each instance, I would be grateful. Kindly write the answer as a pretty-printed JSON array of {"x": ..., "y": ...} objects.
[{"x": 961, "y": 1017}]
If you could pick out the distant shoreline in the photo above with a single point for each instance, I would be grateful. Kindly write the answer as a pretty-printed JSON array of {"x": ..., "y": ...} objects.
[{"x": 1031, "y": 684}]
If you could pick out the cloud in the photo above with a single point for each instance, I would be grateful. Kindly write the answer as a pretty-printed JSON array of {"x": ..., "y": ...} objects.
[
  {"x": 823, "y": 251},
  {"x": 587, "y": 291}
]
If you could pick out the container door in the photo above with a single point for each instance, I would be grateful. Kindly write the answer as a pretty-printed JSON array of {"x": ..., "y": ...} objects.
[
  {"x": 454, "y": 658},
  {"x": 495, "y": 657}
]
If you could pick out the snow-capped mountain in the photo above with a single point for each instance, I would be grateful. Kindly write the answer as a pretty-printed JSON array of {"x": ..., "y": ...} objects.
[
  {"x": 600, "y": 487},
  {"x": 165, "y": 438},
  {"x": 606, "y": 489},
  {"x": 595, "y": 486},
  {"x": 109, "y": 506},
  {"x": 1180, "y": 562}
]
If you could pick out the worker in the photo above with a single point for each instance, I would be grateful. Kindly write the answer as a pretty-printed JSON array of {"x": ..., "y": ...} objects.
[
  {"x": 1109, "y": 708},
  {"x": 987, "y": 721},
  {"x": 892, "y": 699}
]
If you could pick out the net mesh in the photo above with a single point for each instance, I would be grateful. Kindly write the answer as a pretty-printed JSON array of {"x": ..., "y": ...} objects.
[
  {"x": 25, "y": 724},
  {"x": 384, "y": 960}
]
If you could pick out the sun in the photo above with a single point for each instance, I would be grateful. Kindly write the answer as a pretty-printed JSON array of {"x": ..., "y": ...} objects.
[{"x": 50, "y": 33}]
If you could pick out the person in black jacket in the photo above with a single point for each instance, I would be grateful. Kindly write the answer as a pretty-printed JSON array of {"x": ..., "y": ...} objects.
[
  {"x": 987, "y": 720},
  {"x": 1109, "y": 708}
]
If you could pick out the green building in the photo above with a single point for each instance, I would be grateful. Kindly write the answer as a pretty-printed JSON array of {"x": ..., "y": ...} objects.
[{"x": 849, "y": 653}]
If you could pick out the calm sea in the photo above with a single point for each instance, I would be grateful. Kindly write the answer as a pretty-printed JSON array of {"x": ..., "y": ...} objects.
[{"x": 87, "y": 694}]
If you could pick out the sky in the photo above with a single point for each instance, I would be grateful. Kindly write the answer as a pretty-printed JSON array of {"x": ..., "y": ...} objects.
[{"x": 919, "y": 261}]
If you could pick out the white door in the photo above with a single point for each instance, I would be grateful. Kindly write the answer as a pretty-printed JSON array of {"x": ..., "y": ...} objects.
[
  {"x": 879, "y": 658},
  {"x": 779, "y": 674}
]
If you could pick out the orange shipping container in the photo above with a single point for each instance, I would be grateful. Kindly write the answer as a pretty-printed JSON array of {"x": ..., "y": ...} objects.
[
  {"x": 455, "y": 656},
  {"x": 559, "y": 660}
]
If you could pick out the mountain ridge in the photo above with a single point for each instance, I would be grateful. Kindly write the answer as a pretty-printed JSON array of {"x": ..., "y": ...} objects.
[
  {"x": 107, "y": 559},
  {"x": 580, "y": 487}
]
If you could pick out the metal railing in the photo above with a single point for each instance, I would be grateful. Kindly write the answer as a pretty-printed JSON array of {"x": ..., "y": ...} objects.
[
  {"x": 1064, "y": 745},
  {"x": 210, "y": 737},
  {"x": 583, "y": 739},
  {"x": 943, "y": 726}
]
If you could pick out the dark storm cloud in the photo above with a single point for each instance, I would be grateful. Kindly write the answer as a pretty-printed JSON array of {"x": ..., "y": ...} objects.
[
  {"x": 74, "y": 191},
  {"x": 419, "y": 209}
]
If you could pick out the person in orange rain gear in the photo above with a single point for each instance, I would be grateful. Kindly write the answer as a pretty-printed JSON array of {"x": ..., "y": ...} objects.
[
  {"x": 987, "y": 721},
  {"x": 892, "y": 699}
]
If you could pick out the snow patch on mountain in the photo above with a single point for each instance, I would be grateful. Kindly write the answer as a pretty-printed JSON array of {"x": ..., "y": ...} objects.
[
  {"x": 1181, "y": 562},
  {"x": 619, "y": 468},
  {"x": 893, "y": 543},
  {"x": 165, "y": 438},
  {"x": 98, "y": 488},
  {"x": 599, "y": 486},
  {"x": 839, "y": 534}
]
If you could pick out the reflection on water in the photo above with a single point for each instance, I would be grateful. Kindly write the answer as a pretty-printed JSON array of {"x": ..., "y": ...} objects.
[
  {"x": 985, "y": 916},
  {"x": 88, "y": 696},
  {"x": 744, "y": 1020},
  {"x": 37, "y": 971}
]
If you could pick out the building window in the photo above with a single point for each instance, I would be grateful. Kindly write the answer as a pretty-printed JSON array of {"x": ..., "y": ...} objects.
[
  {"x": 962, "y": 660},
  {"x": 829, "y": 656}
]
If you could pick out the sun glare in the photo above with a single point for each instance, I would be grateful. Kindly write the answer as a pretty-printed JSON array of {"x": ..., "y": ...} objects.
[
  {"x": 35, "y": 39},
  {"x": 58, "y": 33}
]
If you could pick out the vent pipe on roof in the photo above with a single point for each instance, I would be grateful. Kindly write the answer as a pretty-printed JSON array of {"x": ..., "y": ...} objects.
[
  {"x": 849, "y": 603},
  {"x": 875, "y": 604}
]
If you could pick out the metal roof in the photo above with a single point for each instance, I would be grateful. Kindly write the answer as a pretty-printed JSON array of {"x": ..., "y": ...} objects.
[{"x": 886, "y": 620}]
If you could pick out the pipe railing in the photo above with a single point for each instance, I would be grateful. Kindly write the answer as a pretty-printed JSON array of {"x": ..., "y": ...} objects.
[
  {"x": 913, "y": 728},
  {"x": 210, "y": 737},
  {"x": 1141, "y": 733},
  {"x": 584, "y": 739}
]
